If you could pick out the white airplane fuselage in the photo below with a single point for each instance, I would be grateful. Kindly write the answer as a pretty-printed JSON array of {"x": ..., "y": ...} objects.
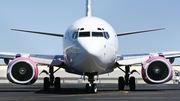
[{"x": 90, "y": 45}]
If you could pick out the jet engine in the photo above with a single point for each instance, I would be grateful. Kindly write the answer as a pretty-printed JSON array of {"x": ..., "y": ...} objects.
[
  {"x": 157, "y": 70},
  {"x": 22, "y": 71}
]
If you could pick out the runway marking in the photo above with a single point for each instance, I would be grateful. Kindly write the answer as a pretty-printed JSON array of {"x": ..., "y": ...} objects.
[{"x": 125, "y": 92}]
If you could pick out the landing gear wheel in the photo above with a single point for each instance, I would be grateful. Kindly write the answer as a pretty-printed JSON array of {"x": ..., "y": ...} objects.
[
  {"x": 132, "y": 84},
  {"x": 94, "y": 88},
  {"x": 46, "y": 84},
  {"x": 87, "y": 88},
  {"x": 121, "y": 83},
  {"x": 91, "y": 88},
  {"x": 57, "y": 83}
]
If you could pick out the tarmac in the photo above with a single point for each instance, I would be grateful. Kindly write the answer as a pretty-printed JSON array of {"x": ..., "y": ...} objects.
[
  {"x": 73, "y": 88},
  {"x": 76, "y": 92}
]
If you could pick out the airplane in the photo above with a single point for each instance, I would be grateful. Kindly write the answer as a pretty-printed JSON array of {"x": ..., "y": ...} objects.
[{"x": 90, "y": 48}]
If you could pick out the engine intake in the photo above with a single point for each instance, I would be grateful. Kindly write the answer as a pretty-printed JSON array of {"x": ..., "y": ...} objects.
[
  {"x": 22, "y": 71},
  {"x": 157, "y": 70}
]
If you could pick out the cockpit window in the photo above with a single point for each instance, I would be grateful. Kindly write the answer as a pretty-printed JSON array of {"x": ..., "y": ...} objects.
[
  {"x": 97, "y": 34},
  {"x": 74, "y": 36},
  {"x": 84, "y": 34},
  {"x": 106, "y": 35}
]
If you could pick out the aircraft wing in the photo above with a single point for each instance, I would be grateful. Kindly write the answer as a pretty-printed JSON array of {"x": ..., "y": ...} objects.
[
  {"x": 132, "y": 59},
  {"x": 36, "y": 32},
  {"x": 141, "y": 31},
  {"x": 52, "y": 60}
]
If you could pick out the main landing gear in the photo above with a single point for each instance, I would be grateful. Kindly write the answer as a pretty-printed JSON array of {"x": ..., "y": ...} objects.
[
  {"x": 50, "y": 81},
  {"x": 91, "y": 87},
  {"x": 126, "y": 80}
]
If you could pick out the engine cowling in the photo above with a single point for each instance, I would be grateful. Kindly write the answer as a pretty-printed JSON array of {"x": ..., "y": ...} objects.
[
  {"x": 22, "y": 71},
  {"x": 157, "y": 70}
]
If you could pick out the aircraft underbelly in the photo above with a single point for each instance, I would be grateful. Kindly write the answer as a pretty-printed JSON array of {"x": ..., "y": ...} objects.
[{"x": 81, "y": 61}]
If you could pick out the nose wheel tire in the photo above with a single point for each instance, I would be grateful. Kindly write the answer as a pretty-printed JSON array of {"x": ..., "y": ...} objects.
[
  {"x": 87, "y": 88},
  {"x": 94, "y": 88},
  {"x": 91, "y": 88}
]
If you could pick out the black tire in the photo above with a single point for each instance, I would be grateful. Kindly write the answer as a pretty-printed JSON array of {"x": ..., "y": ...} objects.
[
  {"x": 94, "y": 88},
  {"x": 121, "y": 83},
  {"x": 57, "y": 83},
  {"x": 87, "y": 88},
  {"x": 132, "y": 84},
  {"x": 46, "y": 84}
]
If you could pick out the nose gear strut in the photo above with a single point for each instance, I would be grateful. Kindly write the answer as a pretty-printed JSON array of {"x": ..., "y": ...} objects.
[{"x": 91, "y": 87}]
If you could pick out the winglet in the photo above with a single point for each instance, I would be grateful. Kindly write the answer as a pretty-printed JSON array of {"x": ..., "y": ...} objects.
[{"x": 88, "y": 8}]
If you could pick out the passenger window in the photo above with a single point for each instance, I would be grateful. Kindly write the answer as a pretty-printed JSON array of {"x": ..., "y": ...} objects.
[
  {"x": 84, "y": 34},
  {"x": 97, "y": 34}
]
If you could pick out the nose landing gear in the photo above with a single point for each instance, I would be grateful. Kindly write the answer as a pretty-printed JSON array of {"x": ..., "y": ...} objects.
[{"x": 91, "y": 87}]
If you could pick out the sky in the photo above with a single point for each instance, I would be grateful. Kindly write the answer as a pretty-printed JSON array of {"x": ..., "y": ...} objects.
[{"x": 57, "y": 15}]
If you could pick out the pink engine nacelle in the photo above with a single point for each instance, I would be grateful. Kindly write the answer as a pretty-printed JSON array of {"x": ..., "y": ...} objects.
[
  {"x": 22, "y": 71},
  {"x": 157, "y": 70}
]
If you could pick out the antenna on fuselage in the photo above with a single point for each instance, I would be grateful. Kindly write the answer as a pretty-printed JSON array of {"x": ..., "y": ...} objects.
[{"x": 88, "y": 8}]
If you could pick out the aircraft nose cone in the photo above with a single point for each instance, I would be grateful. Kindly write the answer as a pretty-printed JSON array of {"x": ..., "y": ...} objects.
[
  {"x": 94, "y": 47},
  {"x": 91, "y": 53}
]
